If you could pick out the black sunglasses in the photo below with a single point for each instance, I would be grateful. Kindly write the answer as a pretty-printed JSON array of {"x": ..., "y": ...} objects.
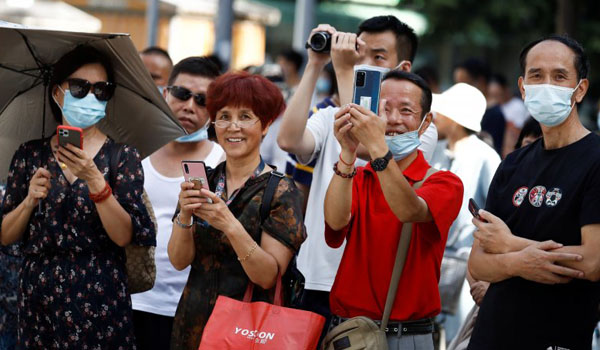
[
  {"x": 184, "y": 94},
  {"x": 79, "y": 88}
]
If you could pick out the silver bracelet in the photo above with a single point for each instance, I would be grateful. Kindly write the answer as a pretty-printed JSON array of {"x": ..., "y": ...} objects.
[{"x": 181, "y": 224}]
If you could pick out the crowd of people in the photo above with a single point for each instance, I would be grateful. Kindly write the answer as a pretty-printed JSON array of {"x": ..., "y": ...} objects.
[{"x": 358, "y": 183}]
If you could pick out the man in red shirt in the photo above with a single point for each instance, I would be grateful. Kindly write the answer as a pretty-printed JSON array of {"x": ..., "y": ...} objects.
[{"x": 368, "y": 206}]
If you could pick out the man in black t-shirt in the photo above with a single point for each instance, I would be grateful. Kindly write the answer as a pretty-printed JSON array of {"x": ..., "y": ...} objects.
[{"x": 539, "y": 246}]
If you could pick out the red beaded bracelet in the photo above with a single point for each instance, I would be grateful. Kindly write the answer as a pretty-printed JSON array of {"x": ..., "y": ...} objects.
[
  {"x": 344, "y": 175},
  {"x": 102, "y": 195}
]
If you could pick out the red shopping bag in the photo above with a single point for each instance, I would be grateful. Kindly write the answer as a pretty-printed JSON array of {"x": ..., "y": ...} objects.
[{"x": 243, "y": 325}]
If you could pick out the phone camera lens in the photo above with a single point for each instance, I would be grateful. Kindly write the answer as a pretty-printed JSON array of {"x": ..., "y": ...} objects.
[
  {"x": 360, "y": 78},
  {"x": 185, "y": 167}
]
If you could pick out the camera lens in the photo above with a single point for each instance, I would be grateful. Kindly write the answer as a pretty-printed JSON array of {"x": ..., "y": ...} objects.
[
  {"x": 360, "y": 78},
  {"x": 320, "y": 42},
  {"x": 185, "y": 167}
]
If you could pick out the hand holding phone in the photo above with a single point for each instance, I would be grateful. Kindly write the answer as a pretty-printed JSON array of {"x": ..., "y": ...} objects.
[
  {"x": 69, "y": 134},
  {"x": 195, "y": 172},
  {"x": 474, "y": 209}
]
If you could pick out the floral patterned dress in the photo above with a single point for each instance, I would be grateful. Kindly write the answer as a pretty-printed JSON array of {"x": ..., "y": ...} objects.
[
  {"x": 73, "y": 287},
  {"x": 216, "y": 270}
]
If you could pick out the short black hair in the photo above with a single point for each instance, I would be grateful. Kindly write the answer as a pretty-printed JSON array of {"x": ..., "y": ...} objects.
[
  {"x": 201, "y": 66},
  {"x": 293, "y": 56},
  {"x": 406, "y": 39},
  {"x": 581, "y": 63},
  {"x": 476, "y": 68},
  {"x": 155, "y": 50},
  {"x": 426, "y": 97},
  {"x": 217, "y": 61},
  {"x": 69, "y": 63}
]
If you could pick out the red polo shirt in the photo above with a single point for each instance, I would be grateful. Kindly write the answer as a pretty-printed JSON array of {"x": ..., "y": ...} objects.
[{"x": 363, "y": 278}]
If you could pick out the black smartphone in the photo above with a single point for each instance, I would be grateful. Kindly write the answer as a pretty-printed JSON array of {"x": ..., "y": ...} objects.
[{"x": 474, "y": 209}]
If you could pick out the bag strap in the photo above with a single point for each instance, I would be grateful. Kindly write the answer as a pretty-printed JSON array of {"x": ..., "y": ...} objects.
[
  {"x": 265, "y": 209},
  {"x": 400, "y": 259},
  {"x": 272, "y": 183}
]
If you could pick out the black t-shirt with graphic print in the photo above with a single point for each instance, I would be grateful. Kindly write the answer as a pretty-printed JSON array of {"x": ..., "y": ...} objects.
[{"x": 543, "y": 195}]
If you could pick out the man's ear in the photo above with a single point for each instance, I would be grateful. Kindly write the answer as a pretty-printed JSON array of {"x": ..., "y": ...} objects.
[
  {"x": 582, "y": 89},
  {"x": 428, "y": 119},
  {"x": 521, "y": 89},
  {"x": 404, "y": 66}
]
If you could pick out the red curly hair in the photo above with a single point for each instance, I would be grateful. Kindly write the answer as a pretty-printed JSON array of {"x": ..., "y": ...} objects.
[{"x": 241, "y": 89}]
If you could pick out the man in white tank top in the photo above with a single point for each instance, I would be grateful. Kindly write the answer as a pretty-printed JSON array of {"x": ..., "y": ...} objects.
[{"x": 186, "y": 96}]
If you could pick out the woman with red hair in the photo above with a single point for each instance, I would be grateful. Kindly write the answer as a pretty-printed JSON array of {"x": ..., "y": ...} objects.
[{"x": 226, "y": 242}]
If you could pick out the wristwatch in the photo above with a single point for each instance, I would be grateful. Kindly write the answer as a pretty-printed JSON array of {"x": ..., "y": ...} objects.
[{"x": 379, "y": 164}]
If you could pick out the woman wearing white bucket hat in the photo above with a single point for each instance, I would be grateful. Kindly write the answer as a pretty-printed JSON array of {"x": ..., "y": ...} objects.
[{"x": 458, "y": 112}]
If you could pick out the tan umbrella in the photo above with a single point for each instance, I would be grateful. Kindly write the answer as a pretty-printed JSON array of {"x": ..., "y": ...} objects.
[{"x": 137, "y": 114}]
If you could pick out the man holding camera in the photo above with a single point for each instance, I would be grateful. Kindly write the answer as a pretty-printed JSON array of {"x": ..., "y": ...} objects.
[
  {"x": 381, "y": 41},
  {"x": 369, "y": 206}
]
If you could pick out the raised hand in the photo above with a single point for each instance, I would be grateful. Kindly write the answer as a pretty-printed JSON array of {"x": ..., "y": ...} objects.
[{"x": 341, "y": 130}]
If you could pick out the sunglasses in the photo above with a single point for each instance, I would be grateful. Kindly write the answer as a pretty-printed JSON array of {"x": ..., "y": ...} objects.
[
  {"x": 79, "y": 88},
  {"x": 184, "y": 94}
]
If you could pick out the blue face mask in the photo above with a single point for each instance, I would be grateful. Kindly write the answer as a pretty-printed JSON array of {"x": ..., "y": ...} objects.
[
  {"x": 197, "y": 136},
  {"x": 323, "y": 86},
  {"x": 549, "y": 104},
  {"x": 82, "y": 112},
  {"x": 404, "y": 144}
]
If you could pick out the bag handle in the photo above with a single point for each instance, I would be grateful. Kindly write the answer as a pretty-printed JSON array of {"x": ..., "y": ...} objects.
[
  {"x": 277, "y": 300},
  {"x": 403, "y": 245}
]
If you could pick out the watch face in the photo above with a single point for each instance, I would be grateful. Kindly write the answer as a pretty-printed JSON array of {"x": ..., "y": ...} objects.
[{"x": 379, "y": 164}]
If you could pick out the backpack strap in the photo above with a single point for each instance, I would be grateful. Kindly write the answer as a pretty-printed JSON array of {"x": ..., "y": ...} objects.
[
  {"x": 403, "y": 245},
  {"x": 272, "y": 183}
]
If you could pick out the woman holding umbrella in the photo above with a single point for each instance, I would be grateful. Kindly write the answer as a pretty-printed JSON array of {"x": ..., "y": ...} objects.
[
  {"x": 228, "y": 244},
  {"x": 73, "y": 291}
]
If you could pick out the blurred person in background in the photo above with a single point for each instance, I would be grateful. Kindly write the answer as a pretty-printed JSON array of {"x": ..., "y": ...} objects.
[
  {"x": 476, "y": 72},
  {"x": 512, "y": 107},
  {"x": 530, "y": 132},
  {"x": 291, "y": 62},
  {"x": 159, "y": 64},
  {"x": 431, "y": 76},
  {"x": 185, "y": 94}
]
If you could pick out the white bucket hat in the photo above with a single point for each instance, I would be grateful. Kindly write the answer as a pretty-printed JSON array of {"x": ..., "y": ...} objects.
[{"x": 462, "y": 103}]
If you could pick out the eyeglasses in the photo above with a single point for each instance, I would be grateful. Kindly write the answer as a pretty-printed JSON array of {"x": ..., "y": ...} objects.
[
  {"x": 184, "y": 94},
  {"x": 79, "y": 88},
  {"x": 242, "y": 124}
]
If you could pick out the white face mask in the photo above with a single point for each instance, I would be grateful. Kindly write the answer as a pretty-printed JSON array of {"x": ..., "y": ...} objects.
[
  {"x": 404, "y": 144},
  {"x": 549, "y": 104}
]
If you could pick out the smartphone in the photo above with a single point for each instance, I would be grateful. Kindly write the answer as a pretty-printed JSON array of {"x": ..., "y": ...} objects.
[
  {"x": 474, "y": 209},
  {"x": 69, "y": 134},
  {"x": 194, "y": 171},
  {"x": 367, "y": 86}
]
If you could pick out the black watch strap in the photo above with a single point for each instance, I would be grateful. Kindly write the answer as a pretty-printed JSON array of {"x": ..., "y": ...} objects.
[{"x": 379, "y": 164}]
